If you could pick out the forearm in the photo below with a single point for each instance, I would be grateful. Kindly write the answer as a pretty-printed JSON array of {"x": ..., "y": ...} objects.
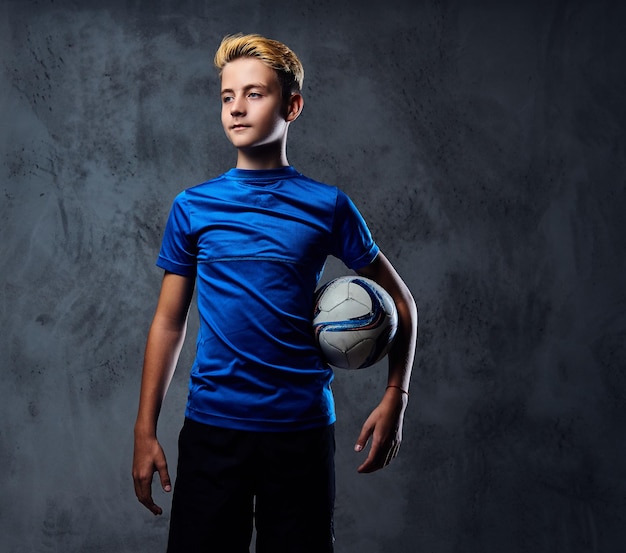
[
  {"x": 402, "y": 352},
  {"x": 165, "y": 340},
  {"x": 162, "y": 350}
]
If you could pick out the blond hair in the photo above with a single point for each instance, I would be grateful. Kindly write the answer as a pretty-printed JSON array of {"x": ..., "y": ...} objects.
[{"x": 272, "y": 53}]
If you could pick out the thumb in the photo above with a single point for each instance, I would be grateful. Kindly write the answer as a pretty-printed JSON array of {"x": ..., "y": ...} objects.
[
  {"x": 363, "y": 438},
  {"x": 164, "y": 477}
]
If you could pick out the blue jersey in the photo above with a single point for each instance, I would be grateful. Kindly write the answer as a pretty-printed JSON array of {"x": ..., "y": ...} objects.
[{"x": 257, "y": 242}]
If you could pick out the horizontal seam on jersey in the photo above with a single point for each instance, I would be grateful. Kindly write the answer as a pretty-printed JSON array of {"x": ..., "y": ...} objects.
[{"x": 249, "y": 258}]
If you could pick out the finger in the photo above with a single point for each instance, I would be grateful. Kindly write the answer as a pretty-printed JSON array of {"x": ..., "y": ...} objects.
[
  {"x": 379, "y": 457},
  {"x": 143, "y": 491},
  {"x": 392, "y": 454},
  {"x": 149, "y": 504},
  {"x": 371, "y": 465},
  {"x": 375, "y": 459},
  {"x": 363, "y": 438},
  {"x": 152, "y": 506},
  {"x": 395, "y": 451}
]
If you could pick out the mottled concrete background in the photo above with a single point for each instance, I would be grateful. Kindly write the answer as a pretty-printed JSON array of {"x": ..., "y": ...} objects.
[{"x": 484, "y": 142}]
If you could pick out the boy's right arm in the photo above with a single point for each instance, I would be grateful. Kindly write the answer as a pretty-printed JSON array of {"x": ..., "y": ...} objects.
[{"x": 163, "y": 346}]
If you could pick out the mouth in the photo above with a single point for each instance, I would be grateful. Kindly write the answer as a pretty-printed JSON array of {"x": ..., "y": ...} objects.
[{"x": 238, "y": 127}]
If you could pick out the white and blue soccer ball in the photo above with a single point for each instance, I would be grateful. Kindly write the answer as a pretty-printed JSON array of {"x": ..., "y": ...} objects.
[{"x": 354, "y": 321}]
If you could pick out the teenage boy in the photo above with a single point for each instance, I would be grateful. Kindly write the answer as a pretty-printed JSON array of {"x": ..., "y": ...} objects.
[{"x": 257, "y": 442}]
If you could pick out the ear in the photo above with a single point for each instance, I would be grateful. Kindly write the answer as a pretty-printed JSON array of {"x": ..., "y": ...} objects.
[{"x": 294, "y": 107}]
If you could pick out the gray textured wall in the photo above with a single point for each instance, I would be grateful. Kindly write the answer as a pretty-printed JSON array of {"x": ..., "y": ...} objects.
[{"x": 484, "y": 142}]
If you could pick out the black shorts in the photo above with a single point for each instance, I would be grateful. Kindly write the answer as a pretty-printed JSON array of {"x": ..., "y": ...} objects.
[{"x": 228, "y": 480}]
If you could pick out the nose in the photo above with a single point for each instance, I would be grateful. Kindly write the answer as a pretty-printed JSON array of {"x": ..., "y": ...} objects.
[{"x": 237, "y": 107}]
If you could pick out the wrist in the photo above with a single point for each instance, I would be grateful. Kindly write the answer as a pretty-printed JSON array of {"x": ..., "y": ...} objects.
[
  {"x": 397, "y": 395},
  {"x": 398, "y": 389},
  {"x": 145, "y": 430}
]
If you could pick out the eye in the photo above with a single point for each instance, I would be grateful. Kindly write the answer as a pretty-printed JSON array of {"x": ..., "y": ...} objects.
[
  {"x": 254, "y": 95},
  {"x": 227, "y": 99}
]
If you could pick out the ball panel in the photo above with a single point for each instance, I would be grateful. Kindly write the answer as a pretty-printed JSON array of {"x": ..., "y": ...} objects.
[
  {"x": 358, "y": 293},
  {"x": 345, "y": 309}
]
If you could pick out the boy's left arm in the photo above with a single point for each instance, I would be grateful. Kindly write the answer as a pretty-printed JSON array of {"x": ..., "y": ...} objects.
[{"x": 384, "y": 425}]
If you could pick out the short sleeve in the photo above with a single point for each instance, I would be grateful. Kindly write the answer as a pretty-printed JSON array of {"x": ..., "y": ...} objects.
[
  {"x": 178, "y": 252},
  {"x": 352, "y": 239}
]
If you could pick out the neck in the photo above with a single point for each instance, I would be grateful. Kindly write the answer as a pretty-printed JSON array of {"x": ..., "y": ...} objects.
[{"x": 267, "y": 156}]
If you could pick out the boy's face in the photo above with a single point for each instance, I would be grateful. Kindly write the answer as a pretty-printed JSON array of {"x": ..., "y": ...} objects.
[{"x": 252, "y": 106}]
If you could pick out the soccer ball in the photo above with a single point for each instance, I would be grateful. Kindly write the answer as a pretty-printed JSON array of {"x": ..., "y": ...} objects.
[{"x": 354, "y": 322}]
